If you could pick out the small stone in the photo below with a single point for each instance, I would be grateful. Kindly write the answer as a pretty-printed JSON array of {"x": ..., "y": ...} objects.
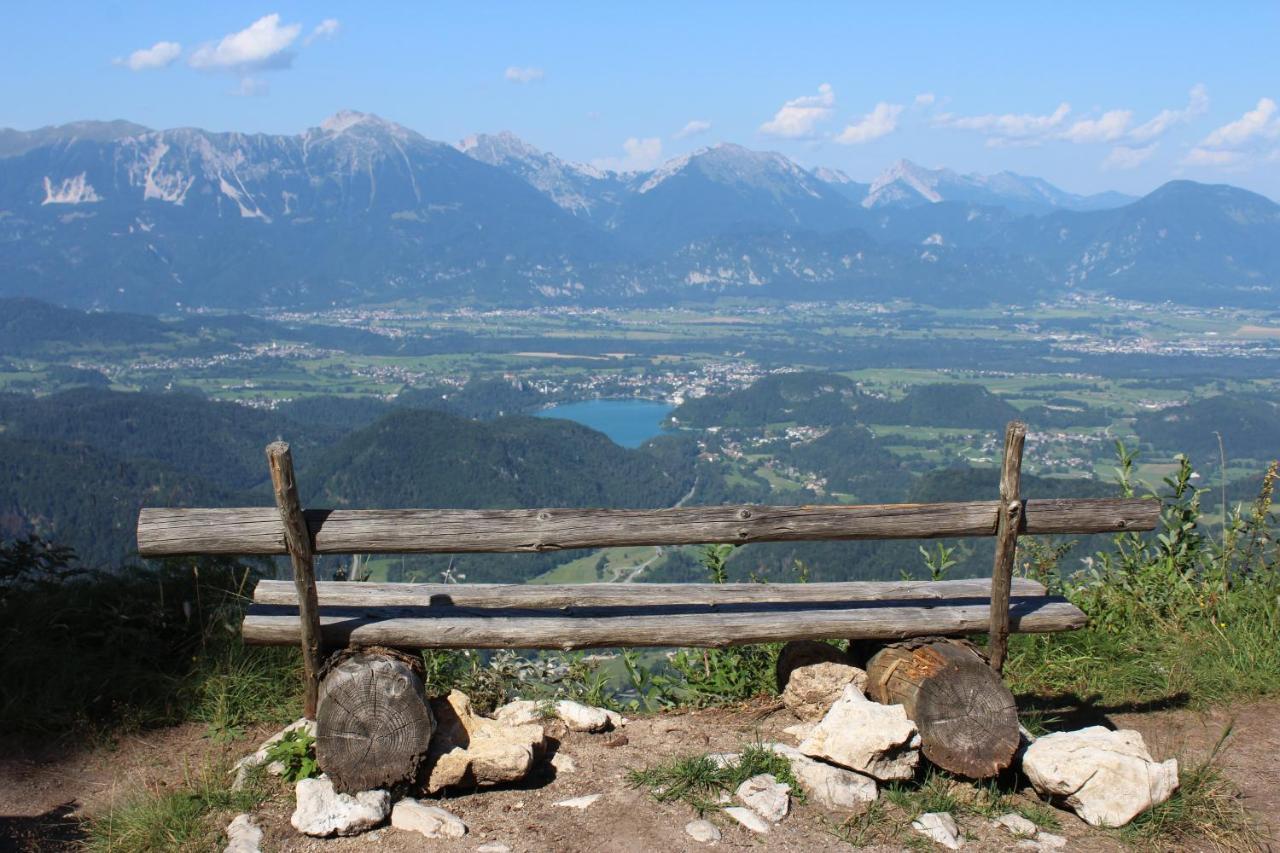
[
  {"x": 520, "y": 712},
  {"x": 939, "y": 827},
  {"x": 798, "y": 653},
  {"x": 617, "y": 741},
  {"x": 813, "y": 689},
  {"x": 748, "y": 818},
  {"x": 1107, "y": 777},
  {"x": 563, "y": 763},
  {"x": 322, "y": 811},
  {"x": 493, "y": 847},
  {"x": 1017, "y": 824},
  {"x": 433, "y": 822},
  {"x": 865, "y": 736},
  {"x": 800, "y": 731},
  {"x": 766, "y": 796},
  {"x": 578, "y": 802},
  {"x": 243, "y": 835},
  {"x": 584, "y": 718},
  {"x": 702, "y": 830},
  {"x": 834, "y": 787},
  {"x": 1049, "y": 841}
]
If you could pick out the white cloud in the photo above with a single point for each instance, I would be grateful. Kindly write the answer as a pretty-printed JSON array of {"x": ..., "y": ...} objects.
[
  {"x": 1108, "y": 127},
  {"x": 1165, "y": 120},
  {"x": 263, "y": 44},
  {"x": 159, "y": 55},
  {"x": 1255, "y": 123},
  {"x": 1126, "y": 157},
  {"x": 1009, "y": 128},
  {"x": 925, "y": 99},
  {"x": 642, "y": 154},
  {"x": 693, "y": 128},
  {"x": 326, "y": 29},
  {"x": 515, "y": 74},
  {"x": 881, "y": 121},
  {"x": 799, "y": 117},
  {"x": 251, "y": 87},
  {"x": 1239, "y": 140}
]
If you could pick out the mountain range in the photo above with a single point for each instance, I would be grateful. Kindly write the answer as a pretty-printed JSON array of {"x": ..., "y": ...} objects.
[{"x": 362, "y": 210}]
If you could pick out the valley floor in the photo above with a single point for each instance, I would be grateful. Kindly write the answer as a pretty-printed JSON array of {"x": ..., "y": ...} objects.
[{"x": 45, "y": 789}]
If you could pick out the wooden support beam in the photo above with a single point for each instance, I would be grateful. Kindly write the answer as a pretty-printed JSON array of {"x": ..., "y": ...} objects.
[
  {"x": 1008, "y": 527},
  {"x": 570, "y": 597},
  {"x": 253, "y": 530},
  {"x": 297, "y": 540},
  {"x": 448, "y": 627}
]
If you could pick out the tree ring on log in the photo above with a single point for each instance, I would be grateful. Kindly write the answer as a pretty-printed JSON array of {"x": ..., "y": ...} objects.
[
  {"x": 968, "y": 719},
  {"x": 373, "y": 723}
]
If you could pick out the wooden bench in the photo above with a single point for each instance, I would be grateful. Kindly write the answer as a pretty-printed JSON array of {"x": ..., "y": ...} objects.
[{"x": 340, "y": 615}]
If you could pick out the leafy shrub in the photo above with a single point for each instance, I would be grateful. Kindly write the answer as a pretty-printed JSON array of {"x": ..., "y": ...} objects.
[{"x": 296, "y": 752}]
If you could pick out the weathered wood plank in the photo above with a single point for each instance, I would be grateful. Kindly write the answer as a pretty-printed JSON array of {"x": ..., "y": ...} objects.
[
  {"x": 462, "y": 628},
  {"x": 164, "y": 532},
  {"x": 1008, "y": 525},
  {"x": 572, "y": 596},
  {"x": 298, "y": 542}
]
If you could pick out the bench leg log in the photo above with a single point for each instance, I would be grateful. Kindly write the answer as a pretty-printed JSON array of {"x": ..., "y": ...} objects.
[
  {"x": 967, "y": 717},
  {"x": 373, "y": 723}
]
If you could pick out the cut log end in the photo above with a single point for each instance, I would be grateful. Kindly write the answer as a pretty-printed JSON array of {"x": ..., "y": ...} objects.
[
  {"x": 967, "y": 717},
  {"x": 373, "y": 723}
]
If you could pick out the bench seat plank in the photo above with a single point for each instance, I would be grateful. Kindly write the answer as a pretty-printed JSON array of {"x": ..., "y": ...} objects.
[
  {"x": 538, "y": 596},
  {"x": 438, "y": 626}
]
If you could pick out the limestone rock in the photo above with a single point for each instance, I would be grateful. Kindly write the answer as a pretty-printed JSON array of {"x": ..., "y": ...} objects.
[
  {"x": 1017, "y": 824},
  {"x": 322, "y": 811},
  {"x": 521, "y": 712},
  {"x": 563, "y": 763},
  {"x": 702, "y": 830},
  {"x": 243, "y": 835},
  {"x": 766, "y": 796},
  {"x": 1107, "y": 777},
  {"x": 798, "y": 653},
  {"x": 431, "y": 821},
  {"x": 939, "y": 827},
  {"x": 471, "y": 750},
  {"x": 830, "y": 786},
  {"x": 724, "y": 759},
  {"x": 245, "y": 765},
  {"x": 1044, "y": 842},
  {"x": 799, "y": 731},
  {"x": 582, "y": 718},
  {"x": 748, "y": 818},
  {"x": 813, "y": 689},
  {"x": 865, "y": 736},
  {"x": 578, "y": 802},
  {"x": 493, "y": 847}
]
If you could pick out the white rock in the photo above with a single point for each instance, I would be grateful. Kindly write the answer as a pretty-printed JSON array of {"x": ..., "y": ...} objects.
[
  {"x": 243, "y": 835},
  {"x": 583, "y": 718},
  {"x": 493, "y": 847},
  {"x": 1049, "y": 841},
  {"x": 748, "y": 818},
  {"x": 724, "y": 759},
  {"x": 578, "y": 802},
  {"x": 471, "y": 750},
  {"x": 830, "y": 786},
  {"x": 813, "y": 689},
  {"x": 563, "y": 763},
  {"x": 800, "y": 731},
  {"x": 939, "y": 827},
  {"x": 1107, "y": 777},
  {"x": 433, "y": 822},
  {"x": 766, "y": 796},
  {"x": 245, "y": 765},
  {"x": 322, "y": 811},
  {"x": 702, "y": 830},
  {"x": 865, "y": 736},
  {"x": 1017, "y": 824},
  {"x": 521, "y": 712}
]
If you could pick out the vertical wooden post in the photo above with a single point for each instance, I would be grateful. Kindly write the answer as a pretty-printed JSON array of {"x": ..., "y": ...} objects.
[
  {"x": 298, "y": 540},
  {"x": 1009, "y": 521}
]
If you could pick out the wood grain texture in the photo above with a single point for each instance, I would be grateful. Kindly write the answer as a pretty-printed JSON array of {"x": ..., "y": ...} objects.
[
  {"x": 967, "y": 717},
  {"x": 569, "y": 596},
  {"x": 450, "y": 627},
  {"x": 297, "y": 541},
  {"x": 252, "y": 530},
  {"x": 1007, "y": 529},
  {"x": 374, "y": 725}
]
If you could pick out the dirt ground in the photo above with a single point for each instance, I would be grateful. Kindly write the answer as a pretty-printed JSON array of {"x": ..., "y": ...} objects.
[{"x": 44, "y": 791}]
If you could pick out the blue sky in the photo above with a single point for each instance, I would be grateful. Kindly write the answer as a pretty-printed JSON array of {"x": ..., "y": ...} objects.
[{"x": 1091, "y": 96}]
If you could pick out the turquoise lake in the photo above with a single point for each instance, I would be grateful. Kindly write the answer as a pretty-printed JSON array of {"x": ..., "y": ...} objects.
[{"x": 627, "y": 422}]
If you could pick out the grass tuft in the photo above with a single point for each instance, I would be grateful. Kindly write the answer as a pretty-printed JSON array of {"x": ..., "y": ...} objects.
[{"x": 699, "y": 780}]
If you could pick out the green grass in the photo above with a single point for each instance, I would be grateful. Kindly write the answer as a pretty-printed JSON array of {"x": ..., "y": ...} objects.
[
  {"x": 699, "y": 780},
  {"x": 189, "y": 817}
]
